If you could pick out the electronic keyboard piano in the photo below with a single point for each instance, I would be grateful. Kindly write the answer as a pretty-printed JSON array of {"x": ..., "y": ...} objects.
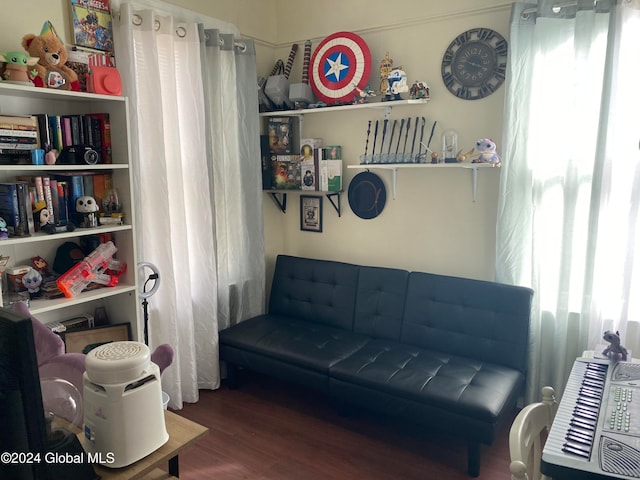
[{"x": 596, "y": 431}]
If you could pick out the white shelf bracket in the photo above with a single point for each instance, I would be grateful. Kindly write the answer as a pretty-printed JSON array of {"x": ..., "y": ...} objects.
[{"x": 474, "y": 179}]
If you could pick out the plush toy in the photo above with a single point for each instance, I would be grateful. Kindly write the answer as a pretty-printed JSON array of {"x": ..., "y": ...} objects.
[
  {"x": 487, "y": 149},
  {"x": 4, "y": 232},
  {"x": 32, "y": 281},
  {"x": 17, "y": 68},
  {"x": 52, "y": 55},
  {"x": 615, "y": 351}
]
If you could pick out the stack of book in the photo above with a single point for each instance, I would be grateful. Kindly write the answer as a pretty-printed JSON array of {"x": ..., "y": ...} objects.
[
  {"x": 49, "y": 288},
  {"x": 18, "y": 136}
]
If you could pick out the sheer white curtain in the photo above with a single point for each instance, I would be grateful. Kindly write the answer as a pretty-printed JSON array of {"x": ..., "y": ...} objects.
[
  {"x": 189, "y": 209},
  {"x": 570, "y": 186}
]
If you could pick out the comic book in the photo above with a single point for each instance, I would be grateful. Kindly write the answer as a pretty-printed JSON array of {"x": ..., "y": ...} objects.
[{"x": 92, "y": 25}]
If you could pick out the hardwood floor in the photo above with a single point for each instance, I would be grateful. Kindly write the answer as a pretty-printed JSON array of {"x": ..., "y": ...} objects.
[{"x": 269, "y": 430}]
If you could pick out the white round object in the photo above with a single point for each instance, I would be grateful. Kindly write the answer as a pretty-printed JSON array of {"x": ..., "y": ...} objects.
[{"x": 118, "y": 362}]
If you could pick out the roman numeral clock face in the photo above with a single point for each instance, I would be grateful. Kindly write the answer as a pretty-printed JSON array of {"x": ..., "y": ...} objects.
[{"x": 475, "y": 63}]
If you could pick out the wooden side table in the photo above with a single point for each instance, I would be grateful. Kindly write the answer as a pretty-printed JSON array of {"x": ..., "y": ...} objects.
[{"x": 182, "y": 433}]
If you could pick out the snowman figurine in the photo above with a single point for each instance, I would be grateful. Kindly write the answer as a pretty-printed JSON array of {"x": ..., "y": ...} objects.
[{"x": 88, "y": 208}]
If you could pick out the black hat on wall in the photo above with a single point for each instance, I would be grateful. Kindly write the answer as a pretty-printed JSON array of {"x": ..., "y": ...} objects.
[{"x": 367, "y": 195}]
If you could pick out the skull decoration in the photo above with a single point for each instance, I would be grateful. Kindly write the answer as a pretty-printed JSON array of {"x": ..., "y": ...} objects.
[{"x": 88, "y": 207}]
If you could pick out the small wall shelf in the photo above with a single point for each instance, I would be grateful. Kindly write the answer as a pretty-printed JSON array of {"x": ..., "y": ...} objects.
[
  {"x": 387, "y": 106},
  {"x": 394, "y": 167},
  {"x": 280, "y": 198}
]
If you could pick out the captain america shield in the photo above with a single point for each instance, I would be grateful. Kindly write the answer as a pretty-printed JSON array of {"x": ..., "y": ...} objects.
[{"x": 339, "y": 64}]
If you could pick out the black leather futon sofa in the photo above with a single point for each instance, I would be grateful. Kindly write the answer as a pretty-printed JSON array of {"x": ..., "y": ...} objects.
[{"x": 443, "y": 352}]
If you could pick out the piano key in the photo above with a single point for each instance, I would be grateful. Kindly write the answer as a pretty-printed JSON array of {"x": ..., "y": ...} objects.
[
  {"x": 594, "y": 384},
  {"x": 574, "y": 435},
  {"x": 577, "y": 423},
  {"x": 588, "y": 402},
  {"x": 585, "y": 413},
  {"x": 576, "y": 451}
]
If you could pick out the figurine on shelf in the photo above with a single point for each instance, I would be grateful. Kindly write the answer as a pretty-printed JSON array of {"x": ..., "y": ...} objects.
[
  {"x": 615, "y": 351},
  {"x": 487, "y": 149},
  {"x": 462, "y": 157},
  {"x": 396, "y": 84},
  {"x": 386, "y": 65},
  {"x": 41, "y": 265},
  {"x": 4, "y": 233},
  {"x": 32, "y": 281},
  {"x": 362, "y": 95},
  {"x": 17, "y": 68},
  {"x": 88, "y": 208},
  {"x": 418, "y": 91}
]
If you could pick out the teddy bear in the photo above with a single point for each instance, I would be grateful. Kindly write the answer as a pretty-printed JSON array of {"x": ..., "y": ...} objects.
[
  {"x": 52, "y": 54},
  {"x": 487, "y": 149}
]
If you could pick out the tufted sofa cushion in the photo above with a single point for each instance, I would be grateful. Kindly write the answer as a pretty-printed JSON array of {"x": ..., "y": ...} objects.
[
  {"x": 380, "y": 302},
  {"x": 307, "y": 344},
  {"x": 316, "y": 291},
  {"x": 470, "y": 318},
  {"x": 459, "y": 385}
]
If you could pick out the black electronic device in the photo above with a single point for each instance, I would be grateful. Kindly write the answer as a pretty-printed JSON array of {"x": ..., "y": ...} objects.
[
  {"x": 21, "y": 413},
  {"x": 27, "y": 450},
  {"x": 78, "y": 155}
]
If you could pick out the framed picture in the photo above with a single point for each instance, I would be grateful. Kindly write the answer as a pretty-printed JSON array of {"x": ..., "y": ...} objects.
[
  {"x": 83, "y": 340},
  {"x": 310, "y": 213}
]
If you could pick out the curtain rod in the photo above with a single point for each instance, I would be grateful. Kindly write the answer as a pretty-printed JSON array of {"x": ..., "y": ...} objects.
[
  {"x": 556, "y": 8},
  {"x": 181, "y": 32}
]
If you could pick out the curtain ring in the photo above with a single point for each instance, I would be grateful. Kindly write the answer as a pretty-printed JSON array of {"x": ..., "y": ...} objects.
[
  {"x": 241, "y": 46},
  {"x": 207, "y": 37},
  {"x": 181, "y": 32},
  {"x": 220, "y": 42},
  {"x": 156, "y": 24},
  {"x": 136, "y": 20}
]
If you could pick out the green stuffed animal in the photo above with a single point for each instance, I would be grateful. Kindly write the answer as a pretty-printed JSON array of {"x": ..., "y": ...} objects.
[{"x": 17, "y": 68}]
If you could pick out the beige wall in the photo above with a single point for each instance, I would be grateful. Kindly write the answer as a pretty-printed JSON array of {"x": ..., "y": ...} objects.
[{"x": 432, "y": 225}]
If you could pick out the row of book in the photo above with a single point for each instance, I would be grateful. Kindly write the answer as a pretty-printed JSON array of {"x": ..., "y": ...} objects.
[
  {"x": 59, "y": 131},
  {"x": 23, "y": 201},
  {"x": 19, "y": 134},
  {"x": 316, "y": 168}
]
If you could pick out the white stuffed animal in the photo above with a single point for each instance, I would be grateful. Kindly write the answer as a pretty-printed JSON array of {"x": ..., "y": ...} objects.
[{"x": 487, "y": 149}]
